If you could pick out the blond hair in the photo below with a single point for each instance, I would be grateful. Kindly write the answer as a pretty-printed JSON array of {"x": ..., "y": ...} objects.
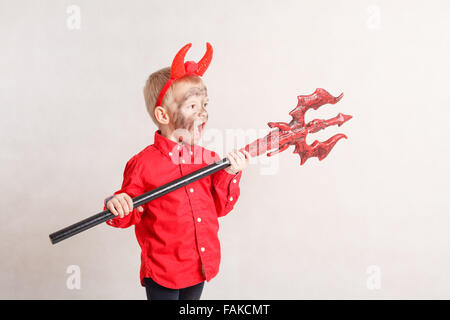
[{"x": 154, "y": 85}]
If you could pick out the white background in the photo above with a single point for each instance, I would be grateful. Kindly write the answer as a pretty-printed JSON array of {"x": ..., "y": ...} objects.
[{"x": 73, "y": 113}]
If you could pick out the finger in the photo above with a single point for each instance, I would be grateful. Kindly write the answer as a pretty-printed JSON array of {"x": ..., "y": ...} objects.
[
  {"x": 232, "y": 159},
  {"x": 110, "y": 207},
  {"x": 140, "y": 209},
  {"x": 241, "y": 156},
  {"x": 235, "y": 154},
  {"x": 119, "y": 210},
  {"x": 237, "y": 162},
  {"x": 129, "y": 202},
  {"x": 239, "y": 159},
  {"x": 232, "y": 166},
  {"x": 124, "y": 204},
  {"x": 118, "y": 206}
]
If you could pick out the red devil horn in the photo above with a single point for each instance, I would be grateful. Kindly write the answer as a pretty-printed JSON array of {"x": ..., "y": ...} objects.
[
  {"x": 203, "y": 64},
  {"x": 177, "y": 70}
]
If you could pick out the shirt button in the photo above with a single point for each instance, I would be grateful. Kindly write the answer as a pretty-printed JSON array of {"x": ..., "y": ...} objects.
[
  {"x": 234, "y": 180},
  {"x": 182, "y": 160},
  {"x": 199, "y": 219},
  {"x": 231, "y": 198},
  {"x": 178, "y": 147},
  {"x": 192, "y": 152},
  {"x": 170, "y": 153},
  {"x": 202, "y": 249},
  {"x": 191, "y": 190}
]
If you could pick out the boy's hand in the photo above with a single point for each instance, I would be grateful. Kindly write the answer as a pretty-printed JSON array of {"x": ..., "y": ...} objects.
[
  {"x": 121, "y": 205},
  {"x": 239, "y": 161}
]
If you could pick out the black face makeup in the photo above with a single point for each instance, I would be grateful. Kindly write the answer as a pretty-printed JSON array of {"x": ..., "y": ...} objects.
[
  {"x": 195, "y": 91},
  {"x": 186, "y": 118},
  {"x": 180, "y": 121}
]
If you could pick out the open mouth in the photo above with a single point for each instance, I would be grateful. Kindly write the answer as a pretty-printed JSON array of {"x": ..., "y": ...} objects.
[{"x": 199, "y": 129}]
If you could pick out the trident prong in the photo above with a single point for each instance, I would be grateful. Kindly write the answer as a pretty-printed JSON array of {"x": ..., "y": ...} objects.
[{"x": 295, "y": 132}]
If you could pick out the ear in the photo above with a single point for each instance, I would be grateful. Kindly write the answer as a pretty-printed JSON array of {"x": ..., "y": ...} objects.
[{"x": 161, "y": 115}]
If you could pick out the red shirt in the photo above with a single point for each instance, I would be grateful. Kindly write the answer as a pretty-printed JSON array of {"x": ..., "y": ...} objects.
[{"x": 178, "y": 232}]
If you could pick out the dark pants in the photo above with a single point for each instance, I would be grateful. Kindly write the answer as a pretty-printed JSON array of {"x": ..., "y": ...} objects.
[{"x": 158, "y": 292}]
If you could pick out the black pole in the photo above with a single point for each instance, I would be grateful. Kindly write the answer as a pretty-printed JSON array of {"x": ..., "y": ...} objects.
[{"x": 139, "y": 200}]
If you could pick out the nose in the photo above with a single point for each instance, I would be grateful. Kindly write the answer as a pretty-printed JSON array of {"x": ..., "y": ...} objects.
[{"x": 203, "y": 114}]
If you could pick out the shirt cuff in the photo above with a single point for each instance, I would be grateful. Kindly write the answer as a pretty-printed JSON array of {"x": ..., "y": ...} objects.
[{"x": 225, "y": 179}]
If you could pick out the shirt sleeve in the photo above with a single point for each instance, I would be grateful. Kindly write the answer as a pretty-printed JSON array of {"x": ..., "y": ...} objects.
[
  {"x": 133, "y": 186},
  {"x": 225, "y": 189}
]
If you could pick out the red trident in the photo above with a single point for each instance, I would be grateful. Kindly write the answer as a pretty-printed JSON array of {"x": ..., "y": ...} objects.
[
  {"x": 286, "y": 134},
  {"x": 295, "y": 132}
]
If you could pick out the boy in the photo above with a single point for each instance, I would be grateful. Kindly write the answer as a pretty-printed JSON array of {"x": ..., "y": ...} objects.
[{"x": 178, "y": 231}]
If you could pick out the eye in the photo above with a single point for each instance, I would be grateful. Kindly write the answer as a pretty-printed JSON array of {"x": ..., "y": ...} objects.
[{"x": 205, "y": 105}]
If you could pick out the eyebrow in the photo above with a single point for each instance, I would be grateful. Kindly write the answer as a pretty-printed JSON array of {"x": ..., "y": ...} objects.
[{"x": 192, "y": 92}]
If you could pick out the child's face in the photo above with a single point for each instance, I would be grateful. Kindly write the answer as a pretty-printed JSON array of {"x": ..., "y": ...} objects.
[{"x": 189, "y": 114}]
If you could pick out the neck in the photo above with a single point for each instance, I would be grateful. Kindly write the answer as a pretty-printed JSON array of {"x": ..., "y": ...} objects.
[{"x": 167, "y": 133}]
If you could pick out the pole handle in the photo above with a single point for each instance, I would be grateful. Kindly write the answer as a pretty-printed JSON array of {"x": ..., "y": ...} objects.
[{"x": 139, "y": 200}]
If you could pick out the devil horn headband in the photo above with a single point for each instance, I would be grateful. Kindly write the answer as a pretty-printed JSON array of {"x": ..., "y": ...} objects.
[{"x": 180, "y": 68}]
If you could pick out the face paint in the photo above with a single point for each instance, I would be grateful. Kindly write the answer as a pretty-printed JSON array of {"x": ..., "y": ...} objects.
[{"x": 190, "y": 127}]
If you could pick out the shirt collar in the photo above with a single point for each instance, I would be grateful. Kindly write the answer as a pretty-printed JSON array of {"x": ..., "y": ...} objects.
[{"x": 169, "y": 147}]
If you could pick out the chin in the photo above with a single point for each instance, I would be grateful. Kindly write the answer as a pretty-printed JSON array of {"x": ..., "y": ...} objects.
[
  {"x": 197, "y": 133},
  {"x": 190, "y": 138},
  {"x": 194, "y": 139}
]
